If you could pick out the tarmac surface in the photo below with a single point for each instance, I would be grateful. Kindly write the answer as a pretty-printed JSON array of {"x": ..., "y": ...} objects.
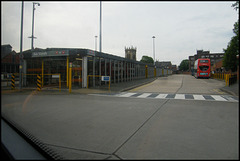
[
  {"x": 114, "y": 88},
  {"x": 84, "y": 124}
]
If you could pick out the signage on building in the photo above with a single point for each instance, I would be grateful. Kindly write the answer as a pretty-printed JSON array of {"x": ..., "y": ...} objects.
[
  {"x": 105, "y": 78},
  {"x": 51, "y": 53},
  {"x": 39, "y": 54},
  {"x": 90, "y": 52}
]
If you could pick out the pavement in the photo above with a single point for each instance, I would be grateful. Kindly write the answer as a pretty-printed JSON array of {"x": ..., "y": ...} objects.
[
  {"x": 233, "y": 89},
  {"x": 117, "y": 87}
]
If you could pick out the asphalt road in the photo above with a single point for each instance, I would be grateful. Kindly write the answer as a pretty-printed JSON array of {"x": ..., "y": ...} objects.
[{"x": 84, "y": 126}]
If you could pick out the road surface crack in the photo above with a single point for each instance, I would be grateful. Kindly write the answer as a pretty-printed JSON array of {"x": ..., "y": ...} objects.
[{"x": 114, "y": 153}]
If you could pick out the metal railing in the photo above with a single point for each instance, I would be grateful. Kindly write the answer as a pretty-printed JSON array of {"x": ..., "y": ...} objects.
[{"x": 230, "y": 79}]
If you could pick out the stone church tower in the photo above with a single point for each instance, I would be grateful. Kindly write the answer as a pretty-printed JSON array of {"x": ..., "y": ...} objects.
[{"x": 130, "y": 53}]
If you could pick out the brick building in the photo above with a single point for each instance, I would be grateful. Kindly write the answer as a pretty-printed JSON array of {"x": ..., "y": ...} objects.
[
  {"x": 9, "y": 61},
  {"x": 214, "y": 57}
]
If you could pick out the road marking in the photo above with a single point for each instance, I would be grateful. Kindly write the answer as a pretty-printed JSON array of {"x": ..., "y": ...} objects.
[
  {"x": 161, "y": 96},
  {"x": 173, "y": 96},
  {"x": 144, "y": 95},
  {"x": 198, "y": 97},
  {"x": 127, "y": 94},
  {"x": 180, "y": 96},
  {"x": 218, "y": 98}
]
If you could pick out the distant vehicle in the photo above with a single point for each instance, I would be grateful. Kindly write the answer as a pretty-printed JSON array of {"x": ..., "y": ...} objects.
[{"x": 202, "y": 68}]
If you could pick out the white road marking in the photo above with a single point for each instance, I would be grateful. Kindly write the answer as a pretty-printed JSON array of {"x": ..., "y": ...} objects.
[
  {"x": 218, "y": 98},
  {"x": 127, "y": 94},
  {"x": 180, "y": 96},
  {"x": 198, "y": 97},
  {"x": 161, "y": 96},
  {"x": 144, "y": 95}
]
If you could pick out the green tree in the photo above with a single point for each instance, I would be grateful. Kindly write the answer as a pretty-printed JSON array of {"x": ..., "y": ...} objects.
[
  {"x": 229, "y": 61},
  {"x": 147, "y": 59},
  {"x": 184, "y": 65}
]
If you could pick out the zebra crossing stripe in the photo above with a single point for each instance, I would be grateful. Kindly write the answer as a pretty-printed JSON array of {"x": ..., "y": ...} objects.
[
  {"x": 127, "y": 94},
  {"x": 180, "y": 96},
  {"x": 219, "y": 98},
  {"x": 198, "y": 97},
  {"x": 176, "y": 96},
  {"x": 161, "y": 96},
  {"x": 144, "y": 95}
]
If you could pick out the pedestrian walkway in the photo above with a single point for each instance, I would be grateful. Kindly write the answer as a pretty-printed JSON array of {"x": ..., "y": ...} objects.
[
  {"x": 114, "y": 88},
  {"x": 233, "y": 89},
  {"x": 228, "y": 98}
]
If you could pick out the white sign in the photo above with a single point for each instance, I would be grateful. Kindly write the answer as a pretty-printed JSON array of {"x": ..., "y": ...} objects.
[
  {"x": 106, "y": 78},
  {"x": 39, "y": 54},
  {"x": 55, "y": 76}
]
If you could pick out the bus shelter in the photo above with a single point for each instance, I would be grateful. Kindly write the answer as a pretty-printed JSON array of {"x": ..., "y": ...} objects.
[{"x": 87, "y": 67}]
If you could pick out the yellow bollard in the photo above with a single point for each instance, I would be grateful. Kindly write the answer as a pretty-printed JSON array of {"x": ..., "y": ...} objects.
[
  {"x": 39, "y": 83},
  {"x": 13, "y": 82},
  {"x": 59, "y": 82},
  {"x": 70, "y": 80},
  {"x": 109, "y": 83},
  {"x": 67, "y": 70}
]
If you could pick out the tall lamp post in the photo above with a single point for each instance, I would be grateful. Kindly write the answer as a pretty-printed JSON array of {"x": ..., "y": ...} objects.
[
  {"x": 32, "y": 37},
  {"x": 100, "y": 34},
  {"x": 153, "y": 50}
]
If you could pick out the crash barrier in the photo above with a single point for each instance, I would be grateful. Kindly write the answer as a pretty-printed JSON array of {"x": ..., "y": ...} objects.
[{"x": 39, "y": 79}]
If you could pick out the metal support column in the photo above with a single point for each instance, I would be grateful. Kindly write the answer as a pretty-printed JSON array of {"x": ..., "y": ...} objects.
[
  {"x": 93, "y": 71},
  {"x": 105, "y": 68},
  {"x": 121, "y": 71},
  {"x": 114, "y": 71},
  {"x": 118, "y": 72}
]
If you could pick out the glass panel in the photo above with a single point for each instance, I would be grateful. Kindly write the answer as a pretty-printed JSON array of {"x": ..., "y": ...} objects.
[
  {"x": 203, "y": 68},
  {"x": 203, "y": 61}
]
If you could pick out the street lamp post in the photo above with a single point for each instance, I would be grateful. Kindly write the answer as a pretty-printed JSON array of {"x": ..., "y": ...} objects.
[
  {"x": 32, "y": 37},
  {"x": 153, "y": 50},
  {"x": 100, "y": 34}
]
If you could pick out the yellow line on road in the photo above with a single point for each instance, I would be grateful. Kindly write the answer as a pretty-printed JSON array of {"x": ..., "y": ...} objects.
[{"x": 218, "y": 91}]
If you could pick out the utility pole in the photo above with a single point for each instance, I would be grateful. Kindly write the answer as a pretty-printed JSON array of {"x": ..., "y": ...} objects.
[{"x": 21, "y": 54}]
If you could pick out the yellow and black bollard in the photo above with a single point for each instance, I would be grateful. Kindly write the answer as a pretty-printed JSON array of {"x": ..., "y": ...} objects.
[
  {"x": 13, "y": 82},
  {"x": 39, "y": 83},
  {"x": 146, "y": 71}
]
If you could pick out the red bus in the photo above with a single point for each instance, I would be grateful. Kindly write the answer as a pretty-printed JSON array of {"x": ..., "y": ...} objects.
[{"x": 202, "y": 68}]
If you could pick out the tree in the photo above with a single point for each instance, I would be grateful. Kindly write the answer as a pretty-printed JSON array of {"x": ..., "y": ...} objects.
[
  {"x": 184, "y": 65},
  {"x": 229, "y": 61},
  {"x": 147, "y": 59}
]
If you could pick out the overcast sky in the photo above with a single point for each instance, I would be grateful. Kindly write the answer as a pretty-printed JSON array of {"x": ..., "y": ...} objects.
[{"x": 180, "y": 28}]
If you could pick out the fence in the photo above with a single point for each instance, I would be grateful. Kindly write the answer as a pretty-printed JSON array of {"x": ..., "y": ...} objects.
[{"x": 230, "y": 79}]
